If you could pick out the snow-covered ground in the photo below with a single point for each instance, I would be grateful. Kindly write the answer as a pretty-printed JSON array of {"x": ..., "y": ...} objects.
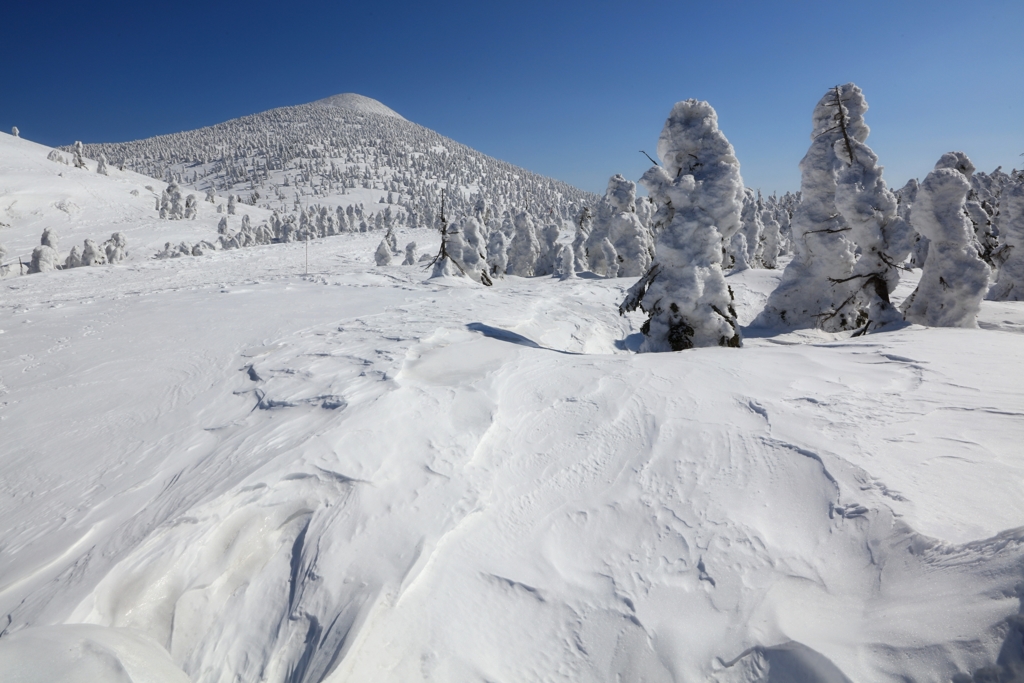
[{"x": 220, "y": 468}]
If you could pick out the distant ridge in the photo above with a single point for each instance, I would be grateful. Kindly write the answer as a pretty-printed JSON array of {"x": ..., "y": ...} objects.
[{"x": 351, "y": 101}]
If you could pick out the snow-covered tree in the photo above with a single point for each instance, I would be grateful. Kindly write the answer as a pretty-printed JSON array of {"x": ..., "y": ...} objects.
[
  {"x": 15, "y": 132},
  {"x": 584, "y": 223},
  {"x": 738, "y": 251},
  {"x": 699, "y": 188},
  {"x": 79, "y": 160},
  {"x": 383, "y": 254},
  {"x": 44, "y": 259},
  {"x": 955, "y": 278},
  {"x": 92, "y": 255},
  {"x": 752, "y": 229},
  {"x": 191, "y": 208},
  {"x": 473, "y": 255},
  {"x": 618, "y": 222},
  {"x": 1010, "y": 284},
  {"x": 101, "y": 164},
  {"x": 524, "y": 249},
  {"x": 497, "y": 253},
  {"x": 771, "y": 240},
  {"x": 410, "y": 254},
  {"x": 882, "y": 238},
  {"x": 565, "y": 262},
  {"x": 74, "y": 259},
  {"x": 816, "y": 282},
  {"x": 49, "y": 239},
  {"x": 547, "y": 238},
  {"x": 116, "y": 248},
  {"x": 210, "y": 196},
  {"x": 231, "y": 205},
  {"x": 172, "y": 203}
]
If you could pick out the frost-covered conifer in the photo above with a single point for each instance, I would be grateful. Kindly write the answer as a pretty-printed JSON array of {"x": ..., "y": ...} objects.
[
  {"x": 210, "y": 196},
  {"x": 44, "y": 259},
  {"x": 101, "y": 164},
  {"x": 607, "y": 258},
  {"x": 700, "y": 192},
  {"x": 1010, "y": 284},
  {"x": 618, "y": 222},
  {"x": 954, "y": 279},
  {"x": 191, "y": 209},
  {"x": 91, "y": 255},
  {"x": 815, "y": 284},
  {"x": 464, "y": 247},
  {"x": 410, "y": 254},
  {"x": 584, "y": 223},
  {"x": 49, "y": 238},
  {"x": 383, "y": 254},
  {"x": 547, "y": 238},
  {"x": 15, "y": 132},
  {"x": 231, "y": 205},
  {"x": 883, "y": 239},
  {"x": 524, "y": 249},
  {"x": 172, "y": 203},
  {"x": 116, "y": 248},
  {"x": 738, "y": 251},
  {"x": 565, "y": 266},
  {"x": 752, "y": 228},
  {"x": 497, "y": 253},
  {"x": 771, "y": 240},
  {"x": 74, "y": 259},
  {"x": 79, "y": 161}
]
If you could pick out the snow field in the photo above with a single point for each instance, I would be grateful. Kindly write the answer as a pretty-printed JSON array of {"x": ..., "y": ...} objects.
[{"x": 217, "y": 468}]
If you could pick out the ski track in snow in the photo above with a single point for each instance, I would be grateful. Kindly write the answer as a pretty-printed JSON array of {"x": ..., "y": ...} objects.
[{"x": 222, "y": 467}]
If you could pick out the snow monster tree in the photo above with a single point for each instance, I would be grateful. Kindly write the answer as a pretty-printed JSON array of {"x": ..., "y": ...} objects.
[
  {"x": 699, "y": 186},
  {"x": 815, "y": 289}
]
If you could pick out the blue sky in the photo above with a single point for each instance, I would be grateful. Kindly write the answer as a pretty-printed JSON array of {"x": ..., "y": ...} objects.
[{"x": 572, "y": 90}]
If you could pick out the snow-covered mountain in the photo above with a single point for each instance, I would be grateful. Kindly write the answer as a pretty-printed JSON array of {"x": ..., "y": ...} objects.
[
  {"x": 223, "y": 469},
  {"x": 343, "y": 150}
]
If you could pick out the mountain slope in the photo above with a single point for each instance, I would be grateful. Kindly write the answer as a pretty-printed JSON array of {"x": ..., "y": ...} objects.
[{"x": 339, "y": 151}]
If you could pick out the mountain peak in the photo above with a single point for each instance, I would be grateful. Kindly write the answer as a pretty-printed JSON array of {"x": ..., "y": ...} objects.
[{"x": 351, "y": 101}]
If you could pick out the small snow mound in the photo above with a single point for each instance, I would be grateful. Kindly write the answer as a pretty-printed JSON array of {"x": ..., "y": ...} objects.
[{"x": 350, "y": 101}]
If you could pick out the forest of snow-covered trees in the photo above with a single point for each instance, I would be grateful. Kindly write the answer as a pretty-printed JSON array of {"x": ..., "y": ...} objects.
[
  {"x": 320, "y": 156},
  {"x": 329, "y": 168}
]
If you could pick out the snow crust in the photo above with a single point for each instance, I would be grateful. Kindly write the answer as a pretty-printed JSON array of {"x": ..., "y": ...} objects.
[{"x": 217, "y": 468}]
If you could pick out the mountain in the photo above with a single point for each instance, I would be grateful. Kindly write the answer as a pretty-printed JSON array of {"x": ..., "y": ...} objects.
[{"x": 344, "y": 150}]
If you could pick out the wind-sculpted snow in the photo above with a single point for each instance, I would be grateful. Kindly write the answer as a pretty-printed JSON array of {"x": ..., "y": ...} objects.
[{"x": 221, "y": 469}]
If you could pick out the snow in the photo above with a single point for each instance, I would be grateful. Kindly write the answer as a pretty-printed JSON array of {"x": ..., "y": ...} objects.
[
  {"x": 218, "y": 466},
  {"x": 351, "y": 101}
]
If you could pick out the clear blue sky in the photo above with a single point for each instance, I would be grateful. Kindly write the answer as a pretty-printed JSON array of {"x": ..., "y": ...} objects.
[{"x": 572, "y": 90}]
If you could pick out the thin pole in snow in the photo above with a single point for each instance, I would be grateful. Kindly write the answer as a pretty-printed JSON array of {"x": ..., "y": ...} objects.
[{"x": 307, "y": 253}]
